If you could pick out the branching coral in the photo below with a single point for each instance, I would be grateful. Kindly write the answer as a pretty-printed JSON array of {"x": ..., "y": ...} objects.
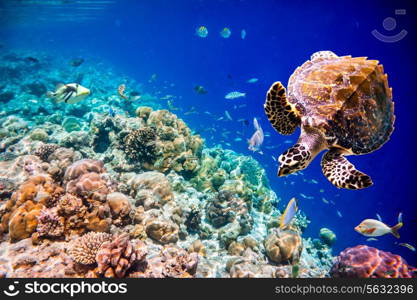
[
  {"x": 116, "y": 257},
  {"x": 140, "y": 145},
  {"x": 44, "y": 150},
  {"x": 50, "y": 224},
  {"x": 84, "y": 249}
]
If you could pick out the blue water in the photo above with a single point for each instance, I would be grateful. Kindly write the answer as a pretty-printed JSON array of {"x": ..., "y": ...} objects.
[{"x": 141, "y": 38}]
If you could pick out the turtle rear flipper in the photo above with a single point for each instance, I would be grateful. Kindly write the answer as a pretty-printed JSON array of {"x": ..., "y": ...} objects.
[
  {"x": 342, "y": 173},
  {"x": 281, "y": 113}
]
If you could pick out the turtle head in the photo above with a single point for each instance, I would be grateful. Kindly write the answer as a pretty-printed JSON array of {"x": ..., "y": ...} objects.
[
  {"x": 296, "y": 158},
  {"x": 299, "y": 156}
]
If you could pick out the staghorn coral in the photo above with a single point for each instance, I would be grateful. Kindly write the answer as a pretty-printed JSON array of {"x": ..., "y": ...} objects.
[
  {"x": 283, "y": 246},
  {"x": 84, "y": 249},
  {"x": 367, "y": 262},
  {"x": 50, "y": 224},
  {"x": 140, "y": 145},
  {"x": 116, "y": 257}
]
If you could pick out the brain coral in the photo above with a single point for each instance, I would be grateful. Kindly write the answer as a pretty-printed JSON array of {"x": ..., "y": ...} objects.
[
  {"x": 367, "y": 262},
  {"x": 283, "y": 246}
]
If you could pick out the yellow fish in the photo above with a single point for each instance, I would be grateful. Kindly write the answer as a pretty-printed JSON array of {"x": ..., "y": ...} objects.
[
  {"x": 69, "y": 93},
  {"x": 289, "y": 213}
]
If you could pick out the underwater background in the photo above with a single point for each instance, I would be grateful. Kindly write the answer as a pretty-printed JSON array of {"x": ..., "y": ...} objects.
[{"x": 155, "y": 44}]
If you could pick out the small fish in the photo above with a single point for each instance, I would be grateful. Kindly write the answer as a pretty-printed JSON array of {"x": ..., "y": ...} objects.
[
  {"x": 400, "y": 217},
  {"x": 306, "y": 197},
  {"x": 372, "y": 228},
  {"x": 288, "y": 142},
  {"x": 321, "y": 190},
  {"x": 228, "y": 116},
  {"x": 234, "y": 95},
  {"x": 289, "y": 213},
  {"x": 252, "y": 80},
  {"x": 32, "y": 59},
  {"x": 238, "y": 139},
  {"x": 199, "y": 89},
  {"x": 406, "y": 245},
  {"x": 225, "y": 33},
  {"x": 242, "y": 105},
  {"x": 379, "y": 217},
  {"x": 314, "y": 181},
  {"x": 121, "y": 91},
  {"x": 219, "y": 119},
  {"x": 201, "y": 32},
  {"x": 69, "y": 93},
  {"x": 76, "y": 62},
  {"x": 325, "y": 200},
  {"x": 339, "y": 214},
  {"x": 111, "y": 112},
  {"x": 273, "y": 158},
  {"x": 257, "y": 138},
  {"x": 243, "y": 34},
  {"x": 371, "y": 239}
]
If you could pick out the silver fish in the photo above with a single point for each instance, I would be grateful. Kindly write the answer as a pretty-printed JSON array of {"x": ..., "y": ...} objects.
[{"x": 257, "y": 138}]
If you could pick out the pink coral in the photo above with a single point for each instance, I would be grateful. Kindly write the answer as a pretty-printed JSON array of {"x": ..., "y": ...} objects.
[
  {"x": 50, "y": 223},
  {"x": 368, "y": 262},
  {"x": 116, "y": 257},
  {"x": 85, "y": 179}
]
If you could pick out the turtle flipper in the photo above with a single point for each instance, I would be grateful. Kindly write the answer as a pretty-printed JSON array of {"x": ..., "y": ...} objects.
[
  {"x": 342, "y": 173},
  {"x": 281, "y": 113}
]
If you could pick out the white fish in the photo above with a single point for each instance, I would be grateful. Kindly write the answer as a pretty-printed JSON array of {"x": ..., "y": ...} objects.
[
  {"x": 257, "y": 138},
  {"x": 69, "y": 93},
  {"x": 371, "y": 227},
  {"x": 252, "y": 80},
  {"x": 289, "y": 213},
  {"x": 306, "y": 197},
  {"x": 228, "y": 116},
  {"x": 379, "y": 217},
  {"x": 339, "y": 214},
  {"x": 325, "y": 200},
  {"x": 243, "y": 34},
  {"x": 371, "y": 239},
  {"x": 314, "y": 181},
  {"x": 235, "y": 95}
]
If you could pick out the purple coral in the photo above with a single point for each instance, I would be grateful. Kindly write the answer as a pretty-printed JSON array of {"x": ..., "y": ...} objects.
[{"x": 50, "y": 224}]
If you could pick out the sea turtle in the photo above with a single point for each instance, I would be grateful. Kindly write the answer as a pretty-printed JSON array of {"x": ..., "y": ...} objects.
[{"x": 342, "y": 104}]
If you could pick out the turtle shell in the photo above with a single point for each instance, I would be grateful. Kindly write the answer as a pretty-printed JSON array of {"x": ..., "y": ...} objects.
[{"x": 347, "y": 98}]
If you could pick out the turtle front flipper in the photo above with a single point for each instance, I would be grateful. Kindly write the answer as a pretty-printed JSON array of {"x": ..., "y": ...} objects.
[
  {"x": 342, "y": 173},
  {"x": 281, "y": 113}
]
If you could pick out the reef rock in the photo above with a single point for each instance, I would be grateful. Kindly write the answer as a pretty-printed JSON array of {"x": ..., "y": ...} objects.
[
  {"x": 367, "y": 262},
  {"x": 283, "y": 246}
]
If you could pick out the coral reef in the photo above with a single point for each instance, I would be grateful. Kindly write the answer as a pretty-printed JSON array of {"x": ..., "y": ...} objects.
[
  {"x": 84, "y": 249},
  {"x": 284, "y": 246},
  {"x": 114, "y": 188},
  {"x": 368, "y": 262},
  {"x": 327, "y": 236}
]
